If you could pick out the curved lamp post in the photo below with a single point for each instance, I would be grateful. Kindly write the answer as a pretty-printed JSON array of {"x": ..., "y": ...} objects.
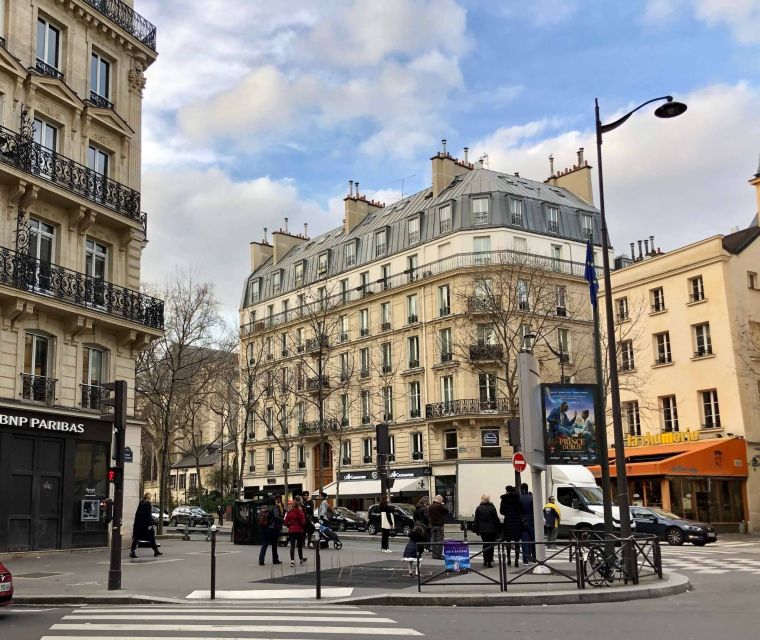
[{"x": 670, "y": 109}]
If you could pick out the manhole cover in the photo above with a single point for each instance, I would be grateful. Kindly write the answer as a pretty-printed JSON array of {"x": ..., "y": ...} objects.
[{"x": 36, "y": 574}]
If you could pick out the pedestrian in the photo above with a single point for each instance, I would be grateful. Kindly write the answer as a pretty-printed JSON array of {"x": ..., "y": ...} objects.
[
  {"x": 511, "y": 509},
  {"x": 437, "y": 515},
  {"x": 269, "y": 520},
  {"x": 386, "y": 524},
  {"x": 487, "y": 526},
  {"x": 220, "y": 513},
  {"x": 529, "y": 529},
  {"x": 295, "y": 521},
  {"x": 551, "y": 522},
  {"x": 413, "y": 549},
  {"x": 143, "y": 528},
  {"x": 324, "y": 507},
  {"x": 422, "y": 519},
  {"x": 308, "y": 508}
]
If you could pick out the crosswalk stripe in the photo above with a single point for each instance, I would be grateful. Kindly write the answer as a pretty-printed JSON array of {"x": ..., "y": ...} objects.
[
  {"x": 222, "y": 628},
  {"x": 83, "y": 611},
  {"x": 190, "y": 617},
  {"x": 272, "y": 594}
]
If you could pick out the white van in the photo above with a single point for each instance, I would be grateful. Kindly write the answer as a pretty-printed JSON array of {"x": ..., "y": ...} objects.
[{"x": 578, "y": 497}]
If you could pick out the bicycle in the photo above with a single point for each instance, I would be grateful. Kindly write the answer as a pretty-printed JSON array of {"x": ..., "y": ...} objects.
[{"x": 602, "y": 566}]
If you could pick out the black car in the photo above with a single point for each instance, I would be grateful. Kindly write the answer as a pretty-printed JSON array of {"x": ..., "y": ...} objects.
[
  {"x": 668, "y": 526},
  {"x": 403, "y": 518},
  {"x": 192, "y": 516},
  {"x": 343, "y": 519}
]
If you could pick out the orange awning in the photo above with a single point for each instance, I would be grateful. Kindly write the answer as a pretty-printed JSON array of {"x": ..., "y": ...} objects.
[{"x": 724, "y": 457}]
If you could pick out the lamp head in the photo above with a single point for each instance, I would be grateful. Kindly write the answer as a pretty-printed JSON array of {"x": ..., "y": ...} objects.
[{"x": 670, "y": 109}]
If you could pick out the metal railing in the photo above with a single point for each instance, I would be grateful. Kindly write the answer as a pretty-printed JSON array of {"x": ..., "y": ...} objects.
[
  {"x": 52, "y": 281},
  {"x": 92, "y": 396},
  {"x": 38, "y": 388},
  {"x": 313, "y": 427},
  {"x": 100, "y": 101},
  {"x": 128, "y": 19},
  {"x": 466, "y": 407},
  {"x": 48, "y": 69},
  {"x": 484, "y": 351},
  {"x": 64, "y": 172}
]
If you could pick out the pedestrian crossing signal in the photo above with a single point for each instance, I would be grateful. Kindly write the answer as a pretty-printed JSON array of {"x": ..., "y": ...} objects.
[{"x": 113, "y": 474}]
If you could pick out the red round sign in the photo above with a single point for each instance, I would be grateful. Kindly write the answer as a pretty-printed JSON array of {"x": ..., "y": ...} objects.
[{"x": 519, "y": 463}]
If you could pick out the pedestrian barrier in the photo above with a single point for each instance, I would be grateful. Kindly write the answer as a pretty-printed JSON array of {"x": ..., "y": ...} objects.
[{"x": 495, "y": 547}]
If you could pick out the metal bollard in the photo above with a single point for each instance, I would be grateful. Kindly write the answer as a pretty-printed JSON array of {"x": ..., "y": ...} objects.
[
  {"x": 187, "y": 531},
  {"x": 213, "y": 562},
  {"x": 318, "y": 564}
]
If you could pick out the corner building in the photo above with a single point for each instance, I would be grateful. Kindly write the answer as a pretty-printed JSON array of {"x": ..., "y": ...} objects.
[
  {"x": 412, "y": 346},
  {"x": 71, "y": 313}
]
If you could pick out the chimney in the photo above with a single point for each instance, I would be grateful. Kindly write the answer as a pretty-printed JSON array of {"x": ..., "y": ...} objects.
[
  {"x": 651, "y": 243},
  {"x": 357, "y": 189},
  {"x": 641, "y": 257},
  {"x": 633, "y": 252},
  {"x": 286, "y": 225},
  {"x": 517, "y": 174},
  {"x": 466, "y": 154},
  {"x": 260, "y": 253},
  {"x": 306, "y": 230},
  {"x": 284, "y": 242},
  {"x": 265, "y": 235},
  {"x": 646, "y": 248},
  {"x": 350, "y": 188},
  {"x": 576, "y": 179},
  {"x": 356, "y": 208},
  {"x": 446, "y": 168},
  {"x": 755, "y": 182}
]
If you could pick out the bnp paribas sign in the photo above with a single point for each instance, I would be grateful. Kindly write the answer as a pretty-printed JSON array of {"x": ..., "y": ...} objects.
[{"x": 42, "y": 423}]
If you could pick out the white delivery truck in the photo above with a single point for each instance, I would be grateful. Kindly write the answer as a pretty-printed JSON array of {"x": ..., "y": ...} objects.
[{"x": 577, "y": 495}]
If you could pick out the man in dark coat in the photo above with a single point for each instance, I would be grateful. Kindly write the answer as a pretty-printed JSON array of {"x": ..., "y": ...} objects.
[
  {"x": 511, "y": 509},
  {"x": 529, "y": 530},
  {"x": 142, "y": 529},
  {"x": 487, "y": 525}
]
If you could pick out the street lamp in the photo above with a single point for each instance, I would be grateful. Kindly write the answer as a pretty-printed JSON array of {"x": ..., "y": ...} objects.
[
  {"x": 670, "y": 109},
  {"x": 562, "y": 356}
]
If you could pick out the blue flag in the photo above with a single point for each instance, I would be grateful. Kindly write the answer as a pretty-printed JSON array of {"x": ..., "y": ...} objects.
[{"x": 590, "y": 273}]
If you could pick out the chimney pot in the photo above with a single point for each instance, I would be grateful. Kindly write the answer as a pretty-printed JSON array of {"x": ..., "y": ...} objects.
[
  {"x": 646, "y": 247},
  {"x": 651, "y": 243},
  {"x": 357, "y": 188},
  {"x": 350, "y": 188},
  {"x": 466, "y": 154},
  {"x": 517, "y": 175},
  {"x": 286, "y": 225},
  {"x": 305, "y": 229},
  {"x": 633, "y": 252},
  {"x": 580, "y": 156},
  {"x": 265, "y": 234},
  {"x": 641, "y": 257},
  {"x": 443, "y": 144},
  {"x": 551, "y": 164}
]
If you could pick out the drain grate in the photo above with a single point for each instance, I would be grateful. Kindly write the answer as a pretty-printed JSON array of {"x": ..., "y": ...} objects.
[{"x": 37, "y": 574}]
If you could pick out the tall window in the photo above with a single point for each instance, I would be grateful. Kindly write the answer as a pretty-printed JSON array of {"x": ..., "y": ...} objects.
[
  {"x": 392, "y": 449},
  {"x": 48, "y": 44},
  {"x": 414, "y": 399},
  {"x": 413, "y": 346},
  {"x": 626, "y": 356},
  {"x": 710, "y": 410},
  {"x": 413, "y": 230},
  {"x": 486, "y": 334},
  {"x": 669, "y": 413},
  {"x": 92, "y": 377},
  {"x": 364, "y": 362},
  {"x": 37, "y": 359},
  {"x": 483, "y": 288},
  {"x": 411, "y": 267},
  {"x": 97, "y": 161},
  {"x": 444, "y": 300},
  {"x": 100, "y": 77},
  {"x": 387, "y": 357},
  {"x": 587, "y": 226},
  {"x": 444, "y": 339},
  {"x": 522, "y": 296},
  {"x": 561, "y": 296},
  {"x": 367, "y": 450},
  {"x": 344, "y": 290},
  {"x": 417, "y": 446},
  {"x": 702, "y": 340},
  {"x": 658, "y": 299},
  {"x": 365, "y": 406},
  {"x": 269, "y": 421},
  {"x": 364, "y": 282},
  {"x": 450, "y": 445},
  {"x": 385, "y": 315},
  {"x": 343, "y": 328},
  {"x": 632, "y": 419},
  {"x": 300, "y": 412},
  {"x": 380, "y": 246},
  {"x": 444, "y": 217},
  {"x": 487, "y": 388},
  {"x": 301, "y": 456},
  {"x": 322, "y": 264},
  {"x": 552, "y": 219},
  {"x": 45, "y": 134},
  {"x": 516, "y": 210},
  {"x": 385, "y": 276},
  {"x": 563, "y": 344},
  {"x": 364, "y": 322},
  {"x": 193, "y": 480},
  {"x": 411, "y": 308},
  {"x": 344, "y": 367},
  {"x": 662, "y": 342},
  {"x": 270, "y": 459},
  {"x": 480, "y": 211},
  {"x": 388, "y": 403},
  {"x": 95, "y": 264},
  {"x": 41, "y": 247},
  {"x": 344, "y": 409},
  {"x": 696, "y": 289},
  {"x": 622, "y": 309},
  {"x": 447, "y": 389},
  {"x": 350, "y": 253},
  {"x": 298, "y": 273},
  {"x": 482, "y": 249},
  {"x": 557, "y": 257}
]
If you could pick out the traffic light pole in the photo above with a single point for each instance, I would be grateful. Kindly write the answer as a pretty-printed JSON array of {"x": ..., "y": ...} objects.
[{"x": 119, "y": 403}]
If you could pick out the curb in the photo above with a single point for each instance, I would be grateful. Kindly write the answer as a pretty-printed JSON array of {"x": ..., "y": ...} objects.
[{"x": 67, "y": 600}]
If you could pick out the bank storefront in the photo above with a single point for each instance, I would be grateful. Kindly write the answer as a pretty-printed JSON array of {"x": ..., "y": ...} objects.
[
  {"x": 360, "y": 489},
  {"x": 52, "y": 477}
]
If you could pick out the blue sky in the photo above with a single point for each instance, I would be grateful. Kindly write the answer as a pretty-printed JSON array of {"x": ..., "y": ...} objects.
[{"x": 257, "y": 110}]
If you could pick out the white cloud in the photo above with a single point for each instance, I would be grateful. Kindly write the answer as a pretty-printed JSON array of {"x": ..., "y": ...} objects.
[
  {"x": 741, "y": 17},
  {"x": 680, "y": 180}
]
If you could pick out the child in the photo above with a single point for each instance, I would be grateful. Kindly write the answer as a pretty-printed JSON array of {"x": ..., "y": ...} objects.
[{"x": 411, "y": 551}]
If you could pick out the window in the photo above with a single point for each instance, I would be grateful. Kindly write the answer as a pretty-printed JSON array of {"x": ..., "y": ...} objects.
[
  {"x": 364, "y": 361},
  {"x": 367, "y": 449},
  {"x": 413, "y": 347},
  {"x": 480, "y": 211},
  {"x": 587, "y": 226},
  {"x": 696, "y": 289},
  {"x": 385, "y": 316},
  {"x": 364, "y": 282},
  {"x": 364, "y": 322},
  {"x": 350, "y": 254},
  {"x": 662, "y": 346},
  {"x": 385, "y": 276},
  {"x": 752, "y": 280},
  {"x": 413, "y": 230},
  {"x": 46, "y": 135},
  {"x": 444, "y": 339},
  {"x": 193, "y": 480},
  {"x": 417, "y": 449},
  {"x": 622, "y": 309},
  {"x": 100, "y": 76},
  {"x": 710, "y": 410},
  {"x": 487, "y": 388},
  {"x": 411, "y": 267},
  {"x": 658, "y": 299},
  {"x": 270, "y": 459},
  {"x": 486, "y": 334},
  {"x": 444, "y": 217},
  {"x": 414, "y": 400},
  {"x": 344, "y": 290},
  {"x": 97, "y": 161},
  {"x": 95, "y": 264},
  {"x": 344, "y": 370},
  {"x": 48, "y": 47},
  {"x": 345, "y": 452},
  {"x": 669, "y": 413},
  {"x": 392, "y": 449},
  {"x": 172, "y": 479},
  {"x": 92, "y": 377},
  {"x": 298, "y": 273},
  {"x": 269, "y": 421},
  {"x": 626, "y": 355},
  {"x": 41, "y": 248},
  {"x": 182, "y": 480},
  {"x": 561, "y": 296},
  {"x": 552, "y": 219},
  {"x": 556, "y": 257},
  {"x": 380, "y": 246},
  {"x": 526, "y": 339},
  {"x": 300, "y": 413},
  {"x": 516, "y": 210},
  {"x": 322, "y": 297},
  {"x": 450, "y": 445},
  {"x": 411, "y": 308},
  {"x": 283, "y": 420},
  {"x": 483, "y": 288},
  {"x": 444, "y": 300},
  {"x": 37, "y": 384},
  {"x": 387, "y": 403},
  {"x": 447, "y": 389},
  {"x": 520, "y": 245},
  {"x": 387, "y": 352},
  {"x": 322, "y": 264},
  {"x": 563, "y": 344},
  {"x": 482, "y": 249},
  {"x": 365, "y": 406},
  {"x": 632, "y": 419},
  {"x": 299, "y": 339},
  {"x": 343, "y": 328},
  {"x": 523, "y": 303},
  {"x": 301, "y": 456},
  {"x": 702, "y": 340}
]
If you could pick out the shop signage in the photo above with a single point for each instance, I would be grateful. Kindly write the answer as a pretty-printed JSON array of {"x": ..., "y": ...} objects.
[
  {"x": 42, "y": 423},
  {"x": 569, "y": 412},
  {"x": 672, "y": 437},
  {"x": 456, "y": 556},
  {"x": 395, "y": 474},
  {"x": 489, "y": 438}
]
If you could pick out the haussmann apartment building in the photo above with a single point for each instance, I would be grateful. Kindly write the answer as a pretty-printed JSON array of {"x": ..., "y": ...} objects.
[{"x": 71, "y": 313}]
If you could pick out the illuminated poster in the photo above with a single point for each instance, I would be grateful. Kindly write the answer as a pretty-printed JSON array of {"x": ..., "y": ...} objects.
[{"x": 569, "y": 412}]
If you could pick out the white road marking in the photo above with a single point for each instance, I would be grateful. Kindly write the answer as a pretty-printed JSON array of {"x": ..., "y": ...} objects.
[
  {"x": 188, "y": 617},
  {"x": 184, "y": 609},
  {"x": 272, "y": 594},
  {"x": 148, "y": 561},
  {"x": 225, "y": 629}
]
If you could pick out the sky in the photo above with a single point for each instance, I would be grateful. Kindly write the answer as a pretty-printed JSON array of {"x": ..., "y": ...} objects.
[{"x": 259, "y": 110}]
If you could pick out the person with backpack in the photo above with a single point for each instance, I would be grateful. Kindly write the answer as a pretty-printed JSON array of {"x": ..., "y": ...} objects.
[
  {"x": 269, "y": 520},
  {"x": 551, "y": 522},
  {"x": 295, "y": 521}
]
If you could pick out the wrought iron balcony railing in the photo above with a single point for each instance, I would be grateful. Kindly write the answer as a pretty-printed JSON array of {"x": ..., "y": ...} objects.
[
  {"x": 313, "y": 427},
  {"x": 52, "y": 281},
  {"x": 466, "y": 407},
  {"x": 314, "y": 384},
  {"x": 100, "y": 101},
  {"x": 92, "y": 395},
  {"x": 64, "y": 172},
  {"x": 128, "y": 19},
  {"x": 48, "y": 69},
  {"x": 484, "y": 351},
  {"x": 38, "y": 388}
]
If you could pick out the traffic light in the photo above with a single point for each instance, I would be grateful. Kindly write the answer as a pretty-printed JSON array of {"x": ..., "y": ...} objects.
[
  {"x": 113, "y": 475},
  {"x": 117, "y": 400},
  {"x": 106, "y": 510}
]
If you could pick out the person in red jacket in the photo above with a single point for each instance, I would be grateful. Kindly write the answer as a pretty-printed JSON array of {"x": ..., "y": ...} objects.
[{"x": 295, "y": 521}]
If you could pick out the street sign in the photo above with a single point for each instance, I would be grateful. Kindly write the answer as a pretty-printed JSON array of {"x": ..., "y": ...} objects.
[{"x": 518, "y": 462}]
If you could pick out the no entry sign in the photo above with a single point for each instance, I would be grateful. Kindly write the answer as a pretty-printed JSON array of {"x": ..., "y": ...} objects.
[{"x": 518, "y": 462}]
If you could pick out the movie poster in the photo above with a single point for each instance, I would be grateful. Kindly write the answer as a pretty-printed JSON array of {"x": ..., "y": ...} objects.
[
  {"x": 456, "y": 556},
  {"x": 569, "y": 423}
]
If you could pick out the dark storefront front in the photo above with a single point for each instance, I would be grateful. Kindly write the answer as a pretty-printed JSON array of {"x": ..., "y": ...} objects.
[{"x": 52, "y": 477}]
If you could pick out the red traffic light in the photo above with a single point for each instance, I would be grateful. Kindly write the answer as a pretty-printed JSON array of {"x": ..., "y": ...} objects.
[{"x": 113, "y": 474}]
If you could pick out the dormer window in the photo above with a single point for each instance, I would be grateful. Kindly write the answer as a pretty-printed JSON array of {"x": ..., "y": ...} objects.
[
  {"x": 413, "y": 230},
  {"x": 298, "y": 269},
  {"x": 276, "y": 282},
  {"x": 254, "y": 294},
  {"x": 350, "y": 253},
  {"x": 516, "y": 211},
  {"x": 322, "y": 263},
  {"x": 587, "y": 227},
  {"x": 380, "y": 243},
  {"x": 480, "y": 214},
  {"x": 552, "y": 219},
  {"x": 444, "y": 217}
]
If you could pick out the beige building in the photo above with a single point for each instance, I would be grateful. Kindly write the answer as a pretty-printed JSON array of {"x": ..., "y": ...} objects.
[
  {"x": 412, "y": 314},
  {"x": 72, "y": 235},
  {"x": 689, "y": 362}
]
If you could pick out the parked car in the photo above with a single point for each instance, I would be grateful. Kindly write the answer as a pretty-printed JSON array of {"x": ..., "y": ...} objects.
[
  {"x": 343, "y": 519},
  {"x": 155, "y": 512},
  {"x": 403, "y": 518},
  {"x": 6, "y": 585},
  {"x": 192, "y": 516},
  {"x": 668, "y": 526}
]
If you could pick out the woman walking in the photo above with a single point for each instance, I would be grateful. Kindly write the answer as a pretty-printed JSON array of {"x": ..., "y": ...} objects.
[
  {"x": 487, "y": 525},
  {"x": 422, "y": 520},
  {"x": 386, "y": 524},
  {"x": 295, "y": 521},
  {"x": 512, "y": 511}
]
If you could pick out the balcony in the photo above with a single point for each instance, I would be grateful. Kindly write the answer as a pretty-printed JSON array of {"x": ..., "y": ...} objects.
[
  {"x": 412, "y": 319},
  {"x": 51, "y": 281},
  {"x": 451, "y": 454},
  {"x": 344, "y": 337},
  {"x": 414, "y": 364},
  {"x": 703, "y": 352},
  {"x": 414, "y": 413},
  {"x": 483, "y": 351},
  {"x": 480, "y": 304},
  {"x": 387, "y": 368},
  {"x": 92, "y": 396},
  {"x": 128, "y": 19},
  {"x": 466, "y": 407},
  {"x": 48, "y": 70},
  {"x": 365, "y": 419},
  {"x": 313, "y": 427},
  {"x": 65, "y": 173},
  {"x": 385, "y": 326},
  {"x": 318, "y": 383},
  {"x": 447, "y": 357},
  {"x": 444, "y": 311},
  {"x": 38, "y": 388},
  {"x": 99, "y": 101},
  {"x": 364, "y": 373},
  {"x": 315, "y": 345},
  {"x": 364, "y": 333}
]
